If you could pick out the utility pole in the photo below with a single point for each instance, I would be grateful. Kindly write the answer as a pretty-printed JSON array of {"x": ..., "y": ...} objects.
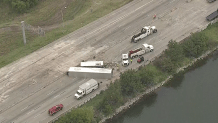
[
  {"x": 23, "y": 29},
  {"x": 62, "y": 18}
]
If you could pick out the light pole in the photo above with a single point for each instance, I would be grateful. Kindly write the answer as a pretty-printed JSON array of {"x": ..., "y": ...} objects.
[
  {"x": 63, "y": 18},
  {"x": 23, "y": 30}
]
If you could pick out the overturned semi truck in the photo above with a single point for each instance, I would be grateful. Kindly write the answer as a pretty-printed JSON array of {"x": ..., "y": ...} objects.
[{"x": 86, "y": 72}]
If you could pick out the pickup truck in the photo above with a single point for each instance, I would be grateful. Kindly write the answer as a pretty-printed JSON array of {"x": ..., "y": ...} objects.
[
  {"x": 212, "y": 16},
  {"x": 210, "y": 1}
]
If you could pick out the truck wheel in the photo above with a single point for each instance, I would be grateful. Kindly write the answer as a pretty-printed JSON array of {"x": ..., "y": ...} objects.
[
  {"x": 155, "y": 30},
  {"x": 151, "y": 50}
]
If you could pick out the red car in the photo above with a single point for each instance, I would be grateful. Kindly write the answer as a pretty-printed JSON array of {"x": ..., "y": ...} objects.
[
  {"x": 141, "y": 59},
  {"x": 55, "y": 109}
]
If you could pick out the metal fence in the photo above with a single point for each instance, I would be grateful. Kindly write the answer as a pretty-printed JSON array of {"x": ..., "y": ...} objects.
[{"x": 37, "y": 30}]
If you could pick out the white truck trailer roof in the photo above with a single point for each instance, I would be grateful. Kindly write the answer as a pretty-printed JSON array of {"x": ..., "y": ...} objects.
[
  {"x": 91, "y": 64},
  {"x": 86, "y": 72},
  {"x": 90, "y": 70},
  {"x": 88, "y": 84}
]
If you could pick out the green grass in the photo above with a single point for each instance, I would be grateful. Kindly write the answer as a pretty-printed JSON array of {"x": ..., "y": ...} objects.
[
  {"x": 159, "y": 75},
  {"x": 212, "y": 32},
  {"x": 77, "y": 14},
  {"x": 94, "y": 102}
]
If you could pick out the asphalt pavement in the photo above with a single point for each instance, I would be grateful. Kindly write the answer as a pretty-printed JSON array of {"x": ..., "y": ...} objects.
[{"x": 35, "y": 83}]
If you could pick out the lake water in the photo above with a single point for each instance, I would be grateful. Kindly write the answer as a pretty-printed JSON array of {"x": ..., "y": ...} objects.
[{"x": 189, "y": 98}]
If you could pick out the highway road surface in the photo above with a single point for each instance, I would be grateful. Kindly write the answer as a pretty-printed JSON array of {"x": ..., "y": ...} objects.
[{"x": 35, "y": 83}]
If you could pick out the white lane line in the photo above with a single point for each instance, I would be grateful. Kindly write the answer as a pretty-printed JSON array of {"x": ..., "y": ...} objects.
[
  {"x": 115, "y": 21},
  {"x": 24, "y": 108},
  {"x": 36, "y": 115},
  {"x": 27, "y": 106},
  {"x": 63, "y": 99},
  {"x": 50, "y": 93},
  {"x": 68, "y": 96},
  {"x": 43, "y": 111},
  {"x": 37, "y": 107},
  {"x": 30, "y": 111},
  {"x": 127, "y": 27},
  {"x": 56, "y": 96},
  {"x": 62, "y": 92}
]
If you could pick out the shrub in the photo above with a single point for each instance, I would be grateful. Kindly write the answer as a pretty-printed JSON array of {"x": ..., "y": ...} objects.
[
  {"x": 21, "y": 6},
  {"x": 150, "y": 75},
  {"x": 172, "y": 58},
  {"x": 175, "y": 53},
  {"x": 80, "y": 115},
  {"x": 112, "y": 99},
  {"x": 196, "y": 45},
  {"x": 130, "y": 82},
  {"x": 165, "y": 64}
]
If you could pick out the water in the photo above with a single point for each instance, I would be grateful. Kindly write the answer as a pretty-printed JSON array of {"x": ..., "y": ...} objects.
[{"x": 190, "y": 98}]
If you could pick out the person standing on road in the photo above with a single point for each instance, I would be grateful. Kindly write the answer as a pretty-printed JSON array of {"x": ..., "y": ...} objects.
[
  {"x": 154, "y": 16},
  {"x": 131, "y": 61}
]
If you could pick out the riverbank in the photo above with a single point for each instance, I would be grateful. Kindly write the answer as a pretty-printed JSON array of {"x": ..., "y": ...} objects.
[
  {"x": 136, "y": 99},
  {"x": 184, "y": 98},
  {"x": 134, "y": 84},
  {"x": 139, "y": 97}
]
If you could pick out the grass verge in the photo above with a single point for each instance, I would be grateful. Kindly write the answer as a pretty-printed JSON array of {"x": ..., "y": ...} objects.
[{"x": 46, "y": 13}]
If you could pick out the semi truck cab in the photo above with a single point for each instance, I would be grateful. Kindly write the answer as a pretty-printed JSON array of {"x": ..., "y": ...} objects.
[
  {"x": 125, "y": 60},
  {"x": 79, "y": 94},
  {"x": 86, "y": 88}
]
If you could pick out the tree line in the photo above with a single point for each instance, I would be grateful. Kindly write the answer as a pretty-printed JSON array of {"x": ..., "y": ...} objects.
[{"x": 20, "y": 6}]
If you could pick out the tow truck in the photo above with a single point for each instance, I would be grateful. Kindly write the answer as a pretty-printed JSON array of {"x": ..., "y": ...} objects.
[
  {"x": 145, "y": 31},
  {"x": 140, "y": 51}
]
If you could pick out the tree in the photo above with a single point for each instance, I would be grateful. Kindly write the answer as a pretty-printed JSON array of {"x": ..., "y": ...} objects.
[
  {"x": 175, "y": 53},
  {"x": 112, "y": 99},
  {"x": 196, "y": 45},
  {"x": 21, "y": 6},
  {"x": 147, "y": 76},
  {"x": 130, "y": 82},
  {"x": 165, "y": 64}
]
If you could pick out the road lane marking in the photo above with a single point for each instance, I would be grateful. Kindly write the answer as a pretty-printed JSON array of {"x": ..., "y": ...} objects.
[
  {"x": 56, "y": 96},
  {"x": 37, "y": 107},
  {"x": 62, "y": 92},
  {"x": 36, "y": 115},
  {"x": 115, "y": 21},
  {"x": 24, "y": 108},
  {"x": 30, "y": 111}
]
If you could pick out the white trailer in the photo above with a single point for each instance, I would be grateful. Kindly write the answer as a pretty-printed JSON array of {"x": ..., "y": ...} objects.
[
  {"x": 86, "y": 72},
  {"x": 147, "y": 30},
  {"x": 86, "y": 88},
  {"x": 125, "y": 60},
  {"x": 145, "y": 48},
  {"x": 92, "y": 64}
]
